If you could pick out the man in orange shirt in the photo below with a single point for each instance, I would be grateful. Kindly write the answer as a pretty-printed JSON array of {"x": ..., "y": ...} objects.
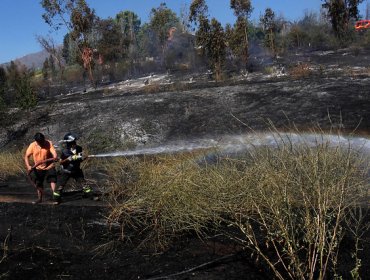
[{"x": 44, "y": 156}]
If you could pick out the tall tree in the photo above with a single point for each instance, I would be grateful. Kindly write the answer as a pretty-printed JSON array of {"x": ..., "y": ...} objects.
[
  {"x": 199, "y": 16},
  {"x": 216, "y": 47},
  {"x": 242, "y": 10},
  {"x": 79, "y": 19},
  {"x": 210, "y": 36},
  {"x": 13, "y": 74},
  {"x": 51, "y": 47},
  {"x": 108, "y": 44},
  {"x": 198, "y": 10},
  {"x": 25, "y": 93},
  {"x": 268, "y": 21},
  {"x": 340, "y": 12},
  {"x": 129, "y": 26},
  {"x": 147, "y": 42},
  {"x": 236, "y": 40},
  {"x": 162, "y": 20}
]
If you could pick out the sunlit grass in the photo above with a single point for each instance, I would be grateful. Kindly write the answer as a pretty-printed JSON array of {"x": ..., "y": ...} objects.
[
  {"x": 289, "y": 203},
  {"x": 11, "y": 164}
]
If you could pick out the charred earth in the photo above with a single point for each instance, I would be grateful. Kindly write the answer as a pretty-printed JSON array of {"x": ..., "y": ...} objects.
[{"x": 72, "y": 241}]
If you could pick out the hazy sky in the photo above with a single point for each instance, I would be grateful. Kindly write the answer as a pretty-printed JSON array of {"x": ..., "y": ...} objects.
[{"x": 21, "y": 20}]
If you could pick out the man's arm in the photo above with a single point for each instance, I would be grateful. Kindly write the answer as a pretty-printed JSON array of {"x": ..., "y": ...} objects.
[{"x": 26, "y": 158}]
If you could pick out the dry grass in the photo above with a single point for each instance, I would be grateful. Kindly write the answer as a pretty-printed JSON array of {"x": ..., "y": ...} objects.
[
  {"x": 164, "y": 196},
  {"x": 301, "y": 198},
  {"x": 289, "y": 203},
  {"x": 154, "y": 87},
  {"x": 359, "y": 72},
  {"x": 11, "y": 164},
  {"x": 301, "y": 70}
]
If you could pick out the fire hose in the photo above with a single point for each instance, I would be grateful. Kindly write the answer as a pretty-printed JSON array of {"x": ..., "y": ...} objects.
[
  {"x": 33, "y": 168},
  {"x": 47, "y": 161}
]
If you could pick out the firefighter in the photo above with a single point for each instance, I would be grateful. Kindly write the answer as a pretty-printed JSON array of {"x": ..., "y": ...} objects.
[
  {"x": 70, "y": 163},
  {"x": 44, "y": 155}
]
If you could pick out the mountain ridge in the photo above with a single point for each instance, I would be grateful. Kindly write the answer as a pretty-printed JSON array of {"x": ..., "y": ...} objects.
[{"x": 32, "y": 60}]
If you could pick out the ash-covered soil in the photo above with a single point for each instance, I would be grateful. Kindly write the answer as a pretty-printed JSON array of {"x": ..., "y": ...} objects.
[
  {"x": 72, "y": 240},
  {"x": 332, "y": 92}
]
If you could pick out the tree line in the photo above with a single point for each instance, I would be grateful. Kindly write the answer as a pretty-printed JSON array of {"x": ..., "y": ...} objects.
[{"x": 119, "y": 47}]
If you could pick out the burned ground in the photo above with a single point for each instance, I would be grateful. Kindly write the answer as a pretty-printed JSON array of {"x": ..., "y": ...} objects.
[
  {"x": 67, "y": 241},
  {"x": 329, "y": 93}
]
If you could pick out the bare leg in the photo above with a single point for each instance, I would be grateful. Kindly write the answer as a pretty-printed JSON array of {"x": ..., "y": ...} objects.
[
  {"x": 53, "y": 186},
  {"x": 40, "y": 193}
]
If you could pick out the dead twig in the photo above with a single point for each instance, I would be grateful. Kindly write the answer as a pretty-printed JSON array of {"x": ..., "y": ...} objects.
[{"x": 193, "y": 268}]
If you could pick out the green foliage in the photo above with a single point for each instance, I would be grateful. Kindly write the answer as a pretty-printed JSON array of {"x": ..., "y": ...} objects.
[
  {"x": 237, "y": 40},
  {"x": 162, "y": 20},
  {"x": 129, "y": 26},
  {"x": 147, "y": 42},
  {"x": 216, "y": 47},
  {"x": 25, "y": 94},
  {"x": 70, "y": 50},
  {"x": 242, "y": 8},
  {"x": 340, "y": 12},
  {"x": 268, "y": 21},
  {"x": 13, "y": 74},
  {"x": 198, "y": 11},
  {"x": 75, "y": 15},
  {"x": 82, "y": 20},
  {"x": 108, "y": 45}
]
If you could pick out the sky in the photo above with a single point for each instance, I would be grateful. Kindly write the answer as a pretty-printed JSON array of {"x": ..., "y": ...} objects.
[{"x": 21, "y": 20}]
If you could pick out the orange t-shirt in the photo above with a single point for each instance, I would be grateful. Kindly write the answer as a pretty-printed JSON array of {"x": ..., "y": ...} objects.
[{"x": 41, "y": 153}]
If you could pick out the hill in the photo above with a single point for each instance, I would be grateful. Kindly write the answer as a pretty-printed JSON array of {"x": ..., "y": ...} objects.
[{"x": 32, "y": 60}]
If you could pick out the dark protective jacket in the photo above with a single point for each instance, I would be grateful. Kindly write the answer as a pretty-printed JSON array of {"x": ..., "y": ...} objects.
[{"x": 73, "y": 164}]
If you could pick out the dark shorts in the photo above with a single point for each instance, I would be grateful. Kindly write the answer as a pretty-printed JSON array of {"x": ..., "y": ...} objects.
[
  {"x": 77, "y": 175},
  {"x": 39, "y": 176}
]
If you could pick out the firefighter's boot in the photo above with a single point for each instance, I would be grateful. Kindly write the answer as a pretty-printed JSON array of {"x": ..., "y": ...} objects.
[
  {"x": 57, "y": 197},
  {"x": 87, "y": 192}
]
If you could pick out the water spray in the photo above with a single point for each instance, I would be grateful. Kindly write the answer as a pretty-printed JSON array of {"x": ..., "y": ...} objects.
[
  {"x": 167, "y": 149},
  {"x": 241, "y": 143}
]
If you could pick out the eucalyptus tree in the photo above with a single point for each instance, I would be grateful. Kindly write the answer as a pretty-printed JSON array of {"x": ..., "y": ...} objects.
[
  {"x": 79, "y": 19},
  {"x": 216, "y": 47},
  {"x": 268, "y": 21},
  {"x": 199, "y": 16},
  {"x": 108, "y": 42},
  {"x": 210, "y": 36},
  {"x": 163, "y": 21},
  {"x": 198, "y": 9},
  {"x": 129, "y": 26},
  {"x": 236, "y": 41},
  {"x": 242, "y": 10},
  {"x": 147, "y": 42},
  {"x": 340, "y": 12}
]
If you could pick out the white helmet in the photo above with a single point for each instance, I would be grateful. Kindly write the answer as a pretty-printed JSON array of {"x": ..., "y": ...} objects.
[{"x": 69, "y": 137}]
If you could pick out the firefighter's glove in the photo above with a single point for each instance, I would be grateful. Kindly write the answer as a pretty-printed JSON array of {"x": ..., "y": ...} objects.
[{"x": 75, "y": 157}]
